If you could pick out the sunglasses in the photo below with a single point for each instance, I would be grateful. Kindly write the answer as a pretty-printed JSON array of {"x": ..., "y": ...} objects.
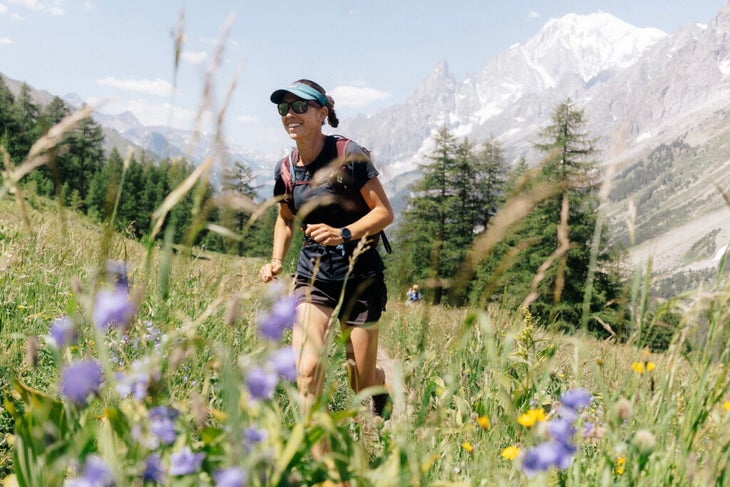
[{"x": 299, "y": 106}]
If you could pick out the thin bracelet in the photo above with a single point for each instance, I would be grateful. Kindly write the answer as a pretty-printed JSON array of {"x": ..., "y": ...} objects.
[{"x": 276, "y": 258}]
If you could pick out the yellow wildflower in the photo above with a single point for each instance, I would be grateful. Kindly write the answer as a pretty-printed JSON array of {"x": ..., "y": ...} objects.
[
  {"x": 483, "y": 421},
  {"x": 531, "y": 417},
  {"x": 510, "y": 453},
  {"x": 620, "y": 465},
  {"x": 467, "y": 446},
  {"x": 641, "y": 367},
  {"x": 726, "y": 405}
]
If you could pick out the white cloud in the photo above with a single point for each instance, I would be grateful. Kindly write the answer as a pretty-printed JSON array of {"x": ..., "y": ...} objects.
[
  {"x": 52, "y": 7},
  {"x": 194, "y": 57},
  {"x": 357, "y": 97},
  {"x": 247, "y": 119},
  {"x": 157, "y": 87},
  {"x": 533, "y": 14},
  {"x": 3, "y": 8},
  {"x": 5, "y": 41},
  {"x": 88, "y": 6}
]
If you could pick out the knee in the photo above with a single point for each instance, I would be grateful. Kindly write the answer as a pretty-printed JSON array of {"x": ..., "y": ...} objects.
[{"x": 309, "y": 376}]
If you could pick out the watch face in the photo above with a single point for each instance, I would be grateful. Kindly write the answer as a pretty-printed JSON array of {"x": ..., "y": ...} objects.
[{"x": 345, "y": 234}]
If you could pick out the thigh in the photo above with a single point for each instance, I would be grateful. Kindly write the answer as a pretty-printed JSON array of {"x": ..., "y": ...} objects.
[{"x": 311, "y": 329}]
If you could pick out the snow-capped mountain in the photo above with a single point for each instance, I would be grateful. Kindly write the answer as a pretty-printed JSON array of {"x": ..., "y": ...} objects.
[
  {"x": 646, "y": 94},
  {"x": 512, "y": 95},
  {"x": 163, "y": 141}
]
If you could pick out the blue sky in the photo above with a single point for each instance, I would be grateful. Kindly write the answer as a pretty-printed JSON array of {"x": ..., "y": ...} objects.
[{"x": 369, "y": 54}]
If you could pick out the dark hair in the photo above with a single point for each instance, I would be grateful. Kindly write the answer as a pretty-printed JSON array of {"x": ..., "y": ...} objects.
[{"x": 331, "y": 115}]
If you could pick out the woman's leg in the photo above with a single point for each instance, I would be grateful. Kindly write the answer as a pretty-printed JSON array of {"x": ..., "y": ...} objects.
[
  {"x": 362, "y": 354},
  {"x": 309, "y": 341}
]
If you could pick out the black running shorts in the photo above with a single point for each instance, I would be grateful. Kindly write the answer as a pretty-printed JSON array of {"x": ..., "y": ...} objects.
[{"x": 363, "y": 302}]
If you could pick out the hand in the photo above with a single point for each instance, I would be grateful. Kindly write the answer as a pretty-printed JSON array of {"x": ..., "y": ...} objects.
[
  {"x": 323, "y": 234},
  {"x": 270, "y": 270}
]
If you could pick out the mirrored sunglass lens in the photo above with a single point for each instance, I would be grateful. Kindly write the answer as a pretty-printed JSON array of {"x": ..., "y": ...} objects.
[
  {"x": 283, "y": 108},
  {"x": 299, "y": 106}
]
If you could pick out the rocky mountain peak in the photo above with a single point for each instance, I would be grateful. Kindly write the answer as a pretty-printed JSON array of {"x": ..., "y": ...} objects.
[{"x": 588, "y": 44}]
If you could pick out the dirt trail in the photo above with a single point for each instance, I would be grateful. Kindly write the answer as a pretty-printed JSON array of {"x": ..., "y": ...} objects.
[{"x": 387, "y": 363}]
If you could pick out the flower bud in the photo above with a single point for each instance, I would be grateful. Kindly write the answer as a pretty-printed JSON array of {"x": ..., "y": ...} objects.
[
  {"x": 644, "y": 442},
  {"x": 623, "y": 409}
]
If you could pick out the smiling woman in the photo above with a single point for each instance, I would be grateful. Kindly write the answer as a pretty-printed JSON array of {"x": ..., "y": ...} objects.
[{"x": 329, "y": 183}]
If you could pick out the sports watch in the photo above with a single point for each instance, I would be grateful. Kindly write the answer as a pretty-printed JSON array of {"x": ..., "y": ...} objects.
[{"x": 346, "y": 234}]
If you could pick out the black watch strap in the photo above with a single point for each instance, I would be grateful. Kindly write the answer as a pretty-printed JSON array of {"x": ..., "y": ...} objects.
[{"x": 346, "y": 234}]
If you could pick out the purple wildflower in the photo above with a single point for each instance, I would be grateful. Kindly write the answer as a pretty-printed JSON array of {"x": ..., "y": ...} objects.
[
  {"x": 562, "y": 430},
  {"x": 282, "y": 316},
  {"x": 545, "y": 456},
  {"x": 153, "y": 471},
  {"x": 80, "y": 380},
  {"x": 260, "y": 383},
  {"x": 231, "y": 477},
  {"x": 254, "y": 435},
  {"x": 153, "y": 335},
  {"x": 185, "y": 462},
  {"x": 137, "y": 381},
  {"x": 112, "y": 308},
  {"x": 576, "y": 399},
  {"x": 283, "y": 361},
  {"x": 95, "y": 474},
  {"x": 118, "y": 272},
  {"x": 587, "y": 429},
  {"x": 64, "y": 332},
  {"x": 162, "y": 423}
]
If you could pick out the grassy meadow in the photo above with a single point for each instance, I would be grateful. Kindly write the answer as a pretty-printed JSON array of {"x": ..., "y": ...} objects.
[{"x": 477, "y": 393}]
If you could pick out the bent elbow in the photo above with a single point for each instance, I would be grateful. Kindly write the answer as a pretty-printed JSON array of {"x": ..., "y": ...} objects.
[{"x": 389, "y": 218}]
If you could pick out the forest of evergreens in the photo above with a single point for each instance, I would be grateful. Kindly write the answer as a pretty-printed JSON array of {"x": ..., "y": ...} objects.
[{"x": 82, "y": 176}]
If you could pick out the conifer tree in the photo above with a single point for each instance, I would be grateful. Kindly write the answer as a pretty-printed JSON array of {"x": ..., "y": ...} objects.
[
  {"x": 559, "y": 286},
  {"x": 27, "y": 113},
  {"x": 85, "y": 147},
  {"x": 423, "y": 225},
  {"x": 238, "y": 181},
  {"x": 490, "y": 180}
]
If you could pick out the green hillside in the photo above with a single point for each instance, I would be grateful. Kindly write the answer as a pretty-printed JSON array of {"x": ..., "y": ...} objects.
[{"x": 476, "y": 391}]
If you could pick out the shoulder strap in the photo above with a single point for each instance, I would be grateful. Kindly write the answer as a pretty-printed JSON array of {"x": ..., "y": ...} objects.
[
  {"x": 287, "y": 177},
  {"x": 342, "y": 143}
]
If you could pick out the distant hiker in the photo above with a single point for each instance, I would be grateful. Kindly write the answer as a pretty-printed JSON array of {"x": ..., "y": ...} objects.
[
  {"x": 414, "y": 295},
  {"x": 330, "y": 185}
]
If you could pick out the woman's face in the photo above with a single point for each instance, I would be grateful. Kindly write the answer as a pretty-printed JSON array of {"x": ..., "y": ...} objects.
[{"x": 302, "y": 126}]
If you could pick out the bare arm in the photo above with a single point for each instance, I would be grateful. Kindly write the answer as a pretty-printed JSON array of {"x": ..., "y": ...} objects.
[
  {"x": 283, "y": 231},
  {"x": 379, "y": 217}
]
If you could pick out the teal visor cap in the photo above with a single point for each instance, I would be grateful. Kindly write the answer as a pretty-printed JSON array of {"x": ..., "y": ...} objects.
[{"x": 300, "y": 90}]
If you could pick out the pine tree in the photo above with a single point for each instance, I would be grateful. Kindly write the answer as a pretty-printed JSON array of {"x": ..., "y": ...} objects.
[
  {"x": 422, "y": 229},
  {"x": 104, "y": 186},
  {"x": 27, "y": 114},
  {"x": 491, "y": 172},
  {"x": 238, "y": 186},
  {"x": 47, "y": 177},
  {"x": 9, "y": 122},
  {"x": 559, "y": 286},
  {"x": 85, "y": 147}
]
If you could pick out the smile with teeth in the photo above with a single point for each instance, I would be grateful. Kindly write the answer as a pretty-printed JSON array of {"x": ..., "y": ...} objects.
[{"x": 293, "y": 125}]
